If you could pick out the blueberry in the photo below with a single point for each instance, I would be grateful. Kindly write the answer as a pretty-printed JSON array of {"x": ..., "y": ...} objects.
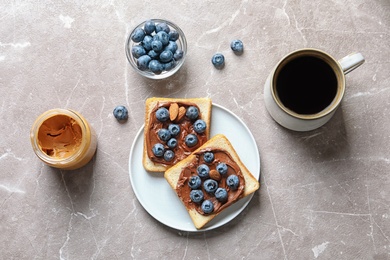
[
  {"x": 158, "y": 150},
  {"x": 156, "y": 67},
  {"x": 163, "y": 37},
  {"x": 200, "y": 126},
  {"x": 237, "y": 46},
  {"x": 207, "y": 206},
  {"x": 174, "y": 129},
  {"x": 210, "y": 185},
  {"x": 196, "y": 196},
  {"x": 172, "y": 143},
  {"x": 221, "y": 195},
  {"x": 120, "y": 113},
  {"x": 194, "y": 182},
  {"x": 208, "y": 157},
  {"x": 232, "y": 182},
  {"x": 153, "y": 54},
  {"x": 166, "y": 56},
  {"x": 162, "y": 27},
  {"x": 143, "y": 62},
  {"x": 164, "y": 134},
  {"x": 203, "y": 171},
  {"x": 147, "y": 42},
  {"x": 172, "y": 46},
  {"x": 222, "y": 168},
  {"x": 149, "y": 27},
  {"x": 191, "y": 140},
  {"x": 168, "y": 155},
  {"x": 173, "y": 35},
  {"x": 178, "y": 55},
  {"x": 138, "y": 35},
  {"x": 192, "y": 112},
  {"x": 162, "y": 114},
  {"x": 169, "y": 65},
  {"x": 218, "y": 60},
  {"x": 138, "y": 51},
  {"x": 157, "y": 45}
]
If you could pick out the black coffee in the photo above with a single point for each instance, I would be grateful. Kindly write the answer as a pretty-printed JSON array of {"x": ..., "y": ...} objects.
[{"x": 306, "y": 85}]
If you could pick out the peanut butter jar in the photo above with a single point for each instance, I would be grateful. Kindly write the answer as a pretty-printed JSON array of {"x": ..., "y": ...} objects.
[{"x": 63, "y": 138}]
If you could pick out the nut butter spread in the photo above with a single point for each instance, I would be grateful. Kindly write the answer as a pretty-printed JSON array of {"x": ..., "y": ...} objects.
[
  {"x": 186, "y": 127},
  {"x": 59, "y": 136},
  {"x": 183, "y": 190}
]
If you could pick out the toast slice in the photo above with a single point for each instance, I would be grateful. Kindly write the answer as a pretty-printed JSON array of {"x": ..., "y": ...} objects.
[
  {"x": 178, "y": 177},
  {"x": 177, "y": 108}
]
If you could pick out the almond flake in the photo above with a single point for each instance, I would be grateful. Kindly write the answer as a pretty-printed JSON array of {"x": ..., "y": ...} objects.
[
  {"x": 214, "y": 174},
  {"x": 173, "y": 111},
  {"x": 181, "y": 114}
]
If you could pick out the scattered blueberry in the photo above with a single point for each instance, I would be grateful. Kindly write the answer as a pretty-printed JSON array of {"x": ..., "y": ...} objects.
[
  {"x": 191, "y": 140},
  {"x": 120, "y": 113},
  {"x": 143, "y": 62},
  {"x": 173, "y": 35},
  {"x": 138, "y": 35},
  {"x": 194, "y": 182},
  {"x": 210, "y": 185},
  {"x": 162, "y": 27},
  {"x": 157, "y": 45},
  {"x": 203, "y": 171},
  {"x": 174, "y": 129},
  {"x": 162, "y": 114},
  {"x": 158, "y": 150},
  {"x": 208, "y": 157},
  {"x": 232, "y": 182},
  {"x": 218, "y": 60},
  {"x": 221, "y": 195},
  {"x": 200, "y": 126},
  {"x": 207, "y": 207},
  {"x": 168, "y": 155},
  {"x": 166, "y": 56},
  {"x": 192, "y": 112},
  {"x": 149, "y": 27},
  {"x": 156, "y": 66},
  {"x": 237, "y": 46},
  {"x": 178, "y": 55},
  {"x": 164, "y": 134},
  {"x": 138, "y": 51},
  {"x": 196, "y": 196},
  {"x": 147, "y": 42},
  {"x": 222, "y": 168},
  {"x": 172, "y": 143}
]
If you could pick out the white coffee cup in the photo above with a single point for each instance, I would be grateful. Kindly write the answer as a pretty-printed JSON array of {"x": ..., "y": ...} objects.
[{"x": 306, "y": 87}]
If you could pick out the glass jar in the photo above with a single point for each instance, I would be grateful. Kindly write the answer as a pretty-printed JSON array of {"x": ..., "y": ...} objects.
[{"x": 62, "y": 138}]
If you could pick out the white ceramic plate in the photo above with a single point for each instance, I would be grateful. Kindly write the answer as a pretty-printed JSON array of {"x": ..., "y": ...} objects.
[{"x": 159, "y": 199}]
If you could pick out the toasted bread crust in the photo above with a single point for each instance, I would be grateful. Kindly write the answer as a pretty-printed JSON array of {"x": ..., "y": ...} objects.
[
  {"x": 204, "y": 105},
  {"x": 172, "y": 175}
]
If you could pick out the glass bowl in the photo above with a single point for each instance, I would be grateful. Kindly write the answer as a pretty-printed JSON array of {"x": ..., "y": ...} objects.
[{"x": 181, "y": 45}]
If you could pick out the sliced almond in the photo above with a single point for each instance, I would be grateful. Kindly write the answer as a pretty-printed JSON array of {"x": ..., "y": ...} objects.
[
  {"x": 214, "y": 174},
  {"x": 181, "y": 114},
  {"x": 173, "y": 111}
]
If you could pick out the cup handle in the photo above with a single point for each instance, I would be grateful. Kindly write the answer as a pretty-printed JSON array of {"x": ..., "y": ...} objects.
[{"x": 351, "y": 62}]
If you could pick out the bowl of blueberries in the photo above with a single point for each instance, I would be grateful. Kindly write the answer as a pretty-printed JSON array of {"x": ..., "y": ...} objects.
[{"x": 156, "y": 48}]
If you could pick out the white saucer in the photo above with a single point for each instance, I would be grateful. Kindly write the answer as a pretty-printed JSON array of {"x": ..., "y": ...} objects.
[{"x": 160, "y": 200}]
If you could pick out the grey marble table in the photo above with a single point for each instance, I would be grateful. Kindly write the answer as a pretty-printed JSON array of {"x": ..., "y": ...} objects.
[{"x": 324, "y": 194}]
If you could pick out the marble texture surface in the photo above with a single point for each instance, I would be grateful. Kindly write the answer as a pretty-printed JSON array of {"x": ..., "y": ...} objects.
[{"x": 324, "y": 194}]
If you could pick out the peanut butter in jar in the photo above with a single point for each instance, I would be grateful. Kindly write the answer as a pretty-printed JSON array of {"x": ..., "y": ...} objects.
[{"x": 63, "y": 138}]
